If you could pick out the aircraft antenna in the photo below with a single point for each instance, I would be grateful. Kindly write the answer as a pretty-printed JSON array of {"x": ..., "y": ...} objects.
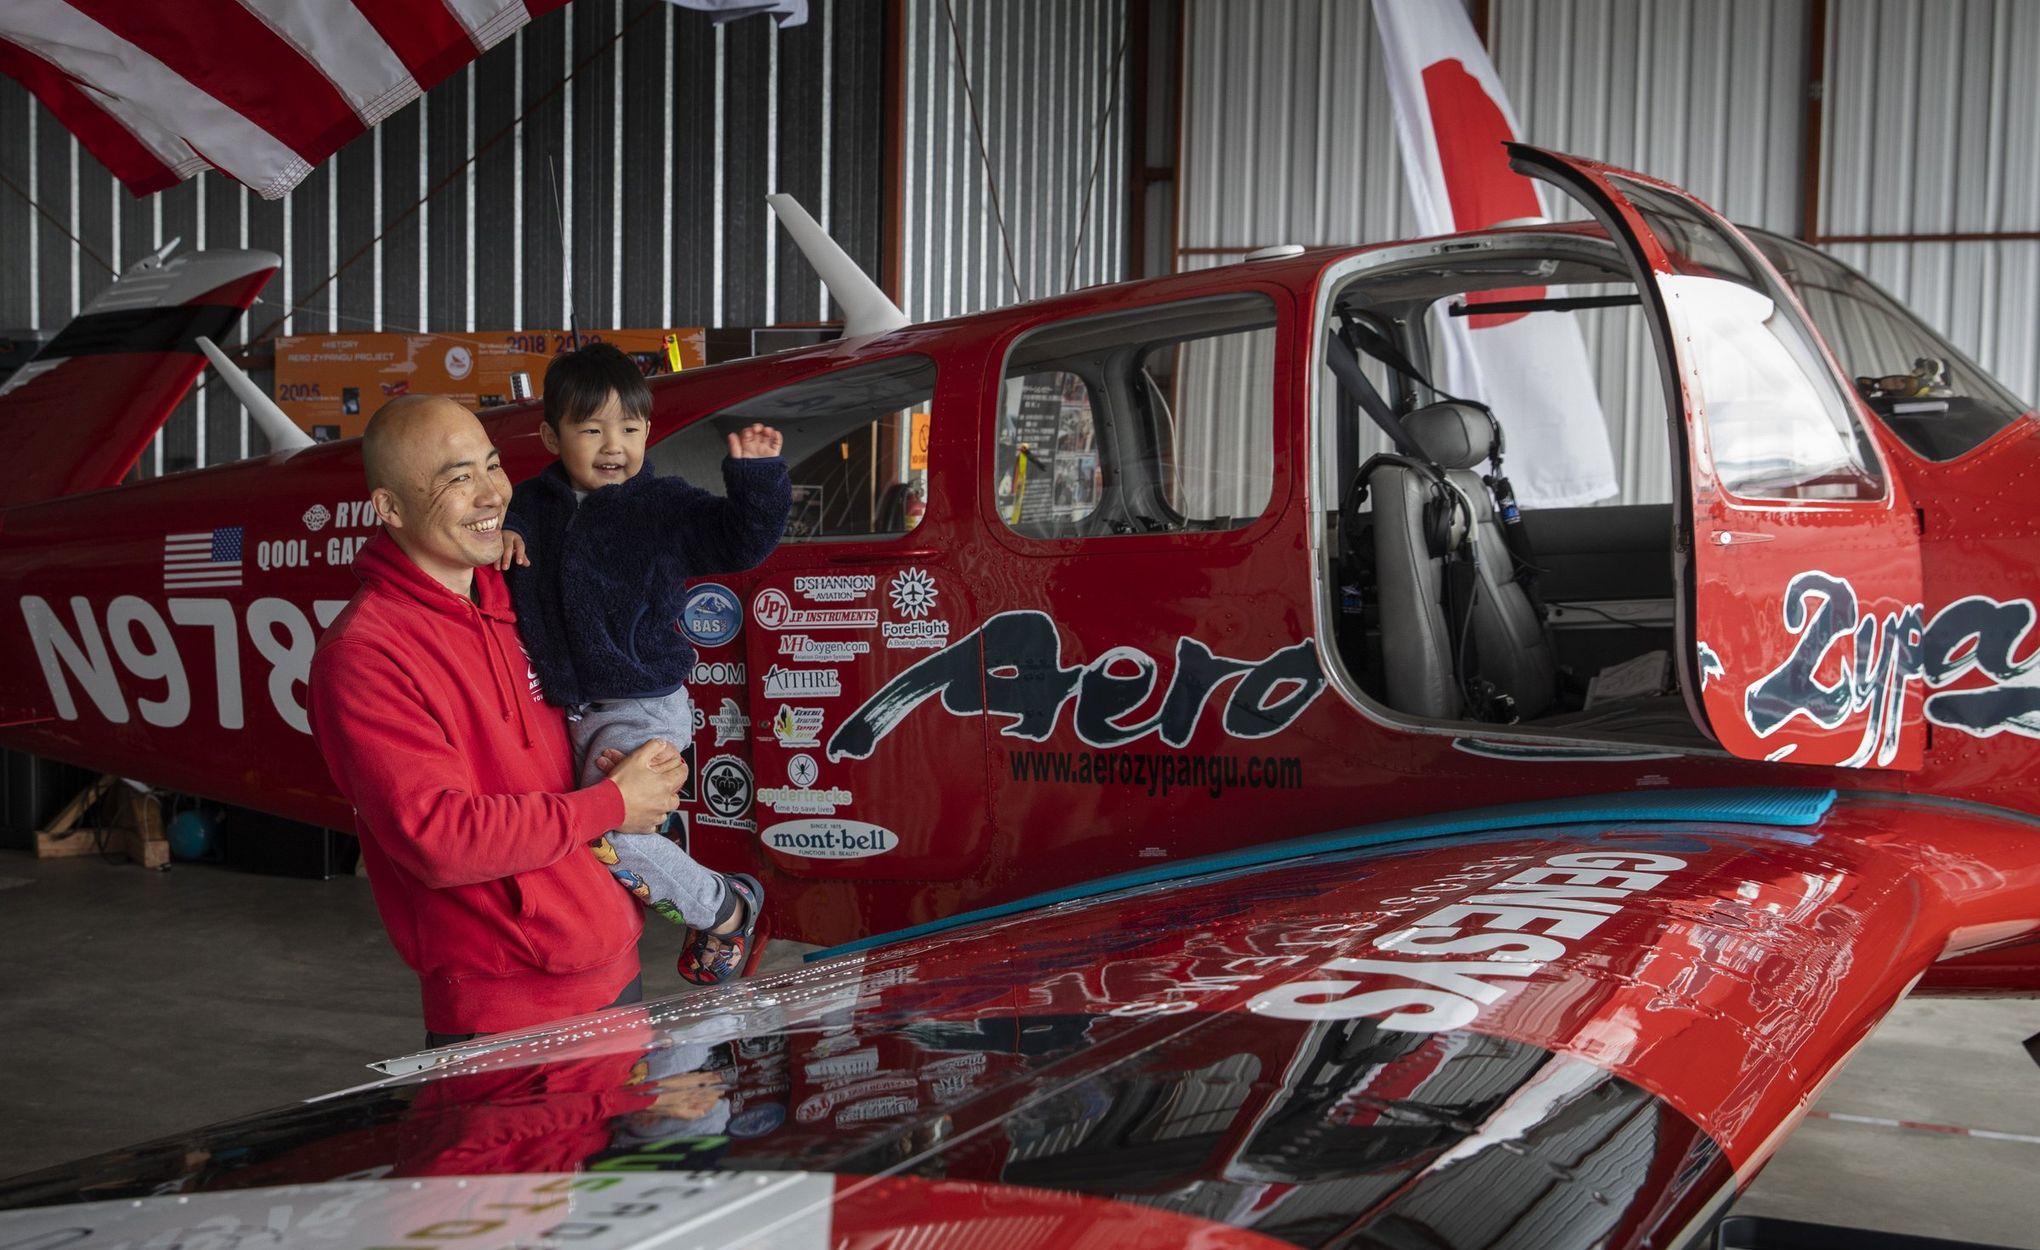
[
  {"x": 560, "y": 220},
  {"x": 866, "y": 310}
]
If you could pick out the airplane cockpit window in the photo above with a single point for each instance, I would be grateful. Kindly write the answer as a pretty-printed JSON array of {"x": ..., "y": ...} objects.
[
  {"x": 1921, "y": 386},
  {"x": 856, "y": 441},
  {"x": 1152, "y": 421},
  {"x": 1778, "y": 423}
]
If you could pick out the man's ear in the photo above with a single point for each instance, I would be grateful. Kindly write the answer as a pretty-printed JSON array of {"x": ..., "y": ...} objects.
[
  {"x": 385, "y": 502},
  {"x": 549, "y": 436}
]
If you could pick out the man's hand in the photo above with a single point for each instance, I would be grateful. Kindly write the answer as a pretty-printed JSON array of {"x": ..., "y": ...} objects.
[
  {"x": 513, "y": 550},
  {"x": 650, "y": 778},
  {"x": 756, "y": 443}
]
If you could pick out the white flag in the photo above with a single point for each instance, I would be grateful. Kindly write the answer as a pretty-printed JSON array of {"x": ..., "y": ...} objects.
[{"x": 1452, "y": 117}]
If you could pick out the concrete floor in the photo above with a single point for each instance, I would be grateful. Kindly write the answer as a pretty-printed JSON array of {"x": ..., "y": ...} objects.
[{"x": 135, "y": 1004}]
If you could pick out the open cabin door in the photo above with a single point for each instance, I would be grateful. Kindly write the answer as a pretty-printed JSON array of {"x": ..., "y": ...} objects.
[{"x": 1797, "y": 552}]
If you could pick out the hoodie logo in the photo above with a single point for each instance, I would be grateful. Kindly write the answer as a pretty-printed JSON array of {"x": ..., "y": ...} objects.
[{"x": 531, "y": 682}]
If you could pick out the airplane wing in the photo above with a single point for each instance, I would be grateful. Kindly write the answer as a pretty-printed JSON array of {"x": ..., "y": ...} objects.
[{"x": 1568, "y": 1024}]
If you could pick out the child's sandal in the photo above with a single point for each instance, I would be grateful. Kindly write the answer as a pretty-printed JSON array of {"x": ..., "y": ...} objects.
[{"x": 701, "y": 964}]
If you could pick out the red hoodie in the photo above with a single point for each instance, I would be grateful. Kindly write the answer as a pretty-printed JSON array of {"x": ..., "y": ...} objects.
[{"x": 463, "y": 792}]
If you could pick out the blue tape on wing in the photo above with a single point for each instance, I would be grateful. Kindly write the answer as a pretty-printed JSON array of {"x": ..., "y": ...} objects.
[{"x": 1776, "y": 807}]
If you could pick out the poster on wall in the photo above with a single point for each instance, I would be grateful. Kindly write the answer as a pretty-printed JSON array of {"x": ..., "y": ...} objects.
[{"x": 330, "y": 384}]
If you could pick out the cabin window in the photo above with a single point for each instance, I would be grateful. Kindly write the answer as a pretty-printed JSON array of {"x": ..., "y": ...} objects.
[
  {"x": 1918, "y": 383},
  {"x": 856, "y": 443},
  {"x": 1157, "y": 420},
  {"x": 1778, "y": 423}
]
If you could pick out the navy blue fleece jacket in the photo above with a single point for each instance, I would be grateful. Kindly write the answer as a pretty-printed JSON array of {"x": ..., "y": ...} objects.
[{"x": 599, "y": 607}]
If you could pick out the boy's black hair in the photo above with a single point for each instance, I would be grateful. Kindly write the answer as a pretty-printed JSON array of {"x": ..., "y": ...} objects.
[{"x": 579, "y": 382}]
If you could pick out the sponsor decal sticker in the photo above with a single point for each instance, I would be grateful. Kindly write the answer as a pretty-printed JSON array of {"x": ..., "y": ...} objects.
[
  {"x": 726, "y": 792},
  {"x": 821, "y": 651},
  {"x": 801, "y": 770},
  {"x": 834, "y": 587},
  {"x": 913, "y": 593},
  {"x": 711, "y": 615},
  {"x": 718, "y": 673},
  {"x": 801, "y": 801},
  {"x": 350, "y": 514},
  {"x": 797, "y": 726},
  {"x": 284, "y": 553},
  {"x": 828, "y": 839},
  {"x": 916, "y": 635},
  {"x": 773, "y": 610},
  {"x": 802, "y": 683},
  {"x": 1011, "y": 667},
  {"x": 730, "y": 724}
]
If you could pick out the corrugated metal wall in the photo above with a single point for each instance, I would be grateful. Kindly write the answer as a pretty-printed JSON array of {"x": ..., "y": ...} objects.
[
  {"x": 1287, "y": 132},
  {"x": 1050, "y": 83},
  {"x": 1931, "y": 122},
  {"x": 1288, "y": 135},
  {"x": 1706, "y": 94},
  {"x": 1703, "y": 94},
  {"x": 666, "y": 140}
]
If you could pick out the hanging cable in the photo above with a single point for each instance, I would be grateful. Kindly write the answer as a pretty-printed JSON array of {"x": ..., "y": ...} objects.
[
  {"x": 978, "y": 128},
  {"x": 461, "y": 168},
  {"x": 32, "y": 203},
  {"x": 1111, "y": 105}
]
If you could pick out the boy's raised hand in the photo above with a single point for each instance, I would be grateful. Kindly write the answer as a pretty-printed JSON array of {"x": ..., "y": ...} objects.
[
  {"x": 513, "y": 549},
  {"x": 756, "y": 443}
]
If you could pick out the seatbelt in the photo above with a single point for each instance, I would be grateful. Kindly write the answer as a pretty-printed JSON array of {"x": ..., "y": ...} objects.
[
  {"x": 1437, "y": 520},
  {"x": 1374, "y": 343},
  {"x": 1344, "y": 362}
]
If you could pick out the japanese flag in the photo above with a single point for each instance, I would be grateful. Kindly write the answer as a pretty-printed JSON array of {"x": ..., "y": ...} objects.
[{"x": 1451, "y": 118}]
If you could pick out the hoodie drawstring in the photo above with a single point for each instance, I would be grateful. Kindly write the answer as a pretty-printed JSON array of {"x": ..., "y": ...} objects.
[{"x": 506, "y": 696}]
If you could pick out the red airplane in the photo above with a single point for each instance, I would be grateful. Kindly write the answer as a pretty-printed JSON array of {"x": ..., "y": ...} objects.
[
  {"x": 1201, "y": 736},
  {"x": 1584, "y": 1022}
]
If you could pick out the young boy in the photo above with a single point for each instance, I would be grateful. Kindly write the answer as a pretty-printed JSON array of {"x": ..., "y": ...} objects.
[{"x": 599, "y": 549}]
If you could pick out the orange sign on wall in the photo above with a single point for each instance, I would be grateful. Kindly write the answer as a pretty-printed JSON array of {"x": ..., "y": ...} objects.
[{"x": 330, "y": 384}]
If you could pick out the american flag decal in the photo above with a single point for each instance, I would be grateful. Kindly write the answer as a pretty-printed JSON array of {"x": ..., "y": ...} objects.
[{"x": 207, "y": 558}]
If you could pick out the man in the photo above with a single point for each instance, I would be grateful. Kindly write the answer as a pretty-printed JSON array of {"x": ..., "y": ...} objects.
[{"x": 434, "y": 727}]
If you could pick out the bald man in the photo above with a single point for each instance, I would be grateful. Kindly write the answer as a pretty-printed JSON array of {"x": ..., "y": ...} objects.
[{"x": 434, "y": 727}]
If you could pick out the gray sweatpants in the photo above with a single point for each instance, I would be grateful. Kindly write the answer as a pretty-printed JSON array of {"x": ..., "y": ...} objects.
[{"x": 664, "y": 877}]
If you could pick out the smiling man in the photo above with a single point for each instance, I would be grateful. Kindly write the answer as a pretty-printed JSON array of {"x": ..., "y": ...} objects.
[{"x": 434, "y": 727}]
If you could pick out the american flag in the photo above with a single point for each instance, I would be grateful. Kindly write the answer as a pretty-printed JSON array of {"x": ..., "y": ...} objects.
[{"x": 207, "y": 558}]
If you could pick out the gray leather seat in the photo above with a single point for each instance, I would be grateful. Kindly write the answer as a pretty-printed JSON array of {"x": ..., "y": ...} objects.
[{"x": 1420, "y": 653}]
